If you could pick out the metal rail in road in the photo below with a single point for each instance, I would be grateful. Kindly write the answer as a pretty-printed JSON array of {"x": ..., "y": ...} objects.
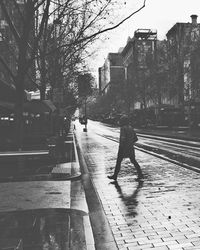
[
  {"x": 150, "y": 150},
  {"x": 181, "y": 148},
  {"x": 187, "y": 141}
]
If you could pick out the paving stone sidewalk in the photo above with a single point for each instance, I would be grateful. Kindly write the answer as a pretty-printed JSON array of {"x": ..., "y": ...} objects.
[{"x": 161, "y": 212}]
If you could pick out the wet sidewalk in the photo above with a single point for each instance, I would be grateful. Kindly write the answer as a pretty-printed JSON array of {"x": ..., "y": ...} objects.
[
  {"x": 161, "y": 212},
  {"x": 47, "y": 211}
]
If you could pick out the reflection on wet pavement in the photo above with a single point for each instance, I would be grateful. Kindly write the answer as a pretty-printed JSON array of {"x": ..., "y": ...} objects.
[
  {"x": 129, "y": 199},
  {"x": 160, "y": 213},
  {"x": 42, "y": 229}
]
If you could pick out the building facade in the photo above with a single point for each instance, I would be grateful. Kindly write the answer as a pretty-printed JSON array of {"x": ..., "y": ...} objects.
[
  {"x": 184, "y": 65},
  {"x": 163, "y": 76},
  {"x": 139, "y": 57},
  {"x": 111, "y": 73},
  {"x": 183, "y": 39},
  {"x": 8, "y": 46}
]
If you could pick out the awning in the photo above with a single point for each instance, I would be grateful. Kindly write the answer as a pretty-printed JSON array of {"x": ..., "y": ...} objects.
[
  {"x": 39, "y": 107},
  {"x": 34, "y": 106}
]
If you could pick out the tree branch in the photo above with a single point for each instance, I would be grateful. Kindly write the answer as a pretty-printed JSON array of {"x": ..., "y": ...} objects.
[
  {"x": 117, "y": 25},
  {"x": 41, "y": 29},
  {"x": 104, "y": 30},
  {"x": 5, "y": 65},
  {"x": 11, "y": 25}
]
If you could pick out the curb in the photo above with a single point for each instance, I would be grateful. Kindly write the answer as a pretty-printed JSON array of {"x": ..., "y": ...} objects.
[
  {"x": 103, "y": 236},
  {"x": 69, "y": 170}
]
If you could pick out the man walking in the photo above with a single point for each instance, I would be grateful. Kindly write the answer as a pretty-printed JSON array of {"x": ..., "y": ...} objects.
[{"x": 126, "y": 147}]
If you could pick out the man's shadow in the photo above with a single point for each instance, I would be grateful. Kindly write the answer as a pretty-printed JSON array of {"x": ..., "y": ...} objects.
[{"x": 131, "y": 200}]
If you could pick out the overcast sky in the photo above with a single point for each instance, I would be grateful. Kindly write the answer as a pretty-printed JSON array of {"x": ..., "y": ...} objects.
[{"x": 158, "y": 14}]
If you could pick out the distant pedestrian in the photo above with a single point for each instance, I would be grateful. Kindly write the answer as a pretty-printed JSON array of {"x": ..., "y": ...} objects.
[{"x": 126, "y": 147}]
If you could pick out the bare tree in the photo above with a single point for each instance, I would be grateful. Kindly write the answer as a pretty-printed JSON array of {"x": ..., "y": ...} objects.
[{"x": 78, "y": 23}]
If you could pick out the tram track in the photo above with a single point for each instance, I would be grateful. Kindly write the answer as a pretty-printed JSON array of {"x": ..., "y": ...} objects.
[
  {"x": 181, "y": 159},
  {"x": 185, "y": 142}
]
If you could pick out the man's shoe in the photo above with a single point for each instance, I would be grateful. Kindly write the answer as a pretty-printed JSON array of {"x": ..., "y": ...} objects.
[{"x": 112, "y": 177}]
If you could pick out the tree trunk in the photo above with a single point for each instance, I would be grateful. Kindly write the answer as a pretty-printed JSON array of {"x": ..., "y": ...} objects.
[
  {"x": 20, "y": 97},
  {"x": 42, "y": 92},
  {"x": 22, "y": 70}
]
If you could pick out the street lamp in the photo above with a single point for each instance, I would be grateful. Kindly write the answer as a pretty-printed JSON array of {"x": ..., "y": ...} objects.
[{"x": 85, "y": 121}]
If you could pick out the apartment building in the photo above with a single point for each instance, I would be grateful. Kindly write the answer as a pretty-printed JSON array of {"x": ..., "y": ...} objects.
[
  {"x": 184, "y": 66},
  {"x": 112, "y": 72},
  {"x": 161, "y": 75},
  {"x": 138, "y": 58},
  {"x": 8, "y": 45}
]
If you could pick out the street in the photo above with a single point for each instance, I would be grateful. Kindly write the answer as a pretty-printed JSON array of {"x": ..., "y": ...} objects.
[
  {"x": 162, "y": 212},
  {"x": 185, "y": 151},
  {"x": 74, "y": 77}
]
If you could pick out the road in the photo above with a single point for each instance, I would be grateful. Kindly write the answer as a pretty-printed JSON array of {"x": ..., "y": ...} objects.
[
  {"x": 184, "y": 151},
  {"x": 162, "y": 212}
]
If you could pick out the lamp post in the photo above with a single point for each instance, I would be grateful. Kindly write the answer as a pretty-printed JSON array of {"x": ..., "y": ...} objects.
[{"x": 85, "y": 122}]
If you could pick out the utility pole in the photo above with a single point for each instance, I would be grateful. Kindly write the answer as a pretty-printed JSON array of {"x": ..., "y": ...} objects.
[{"x": 85, "y": 129}]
